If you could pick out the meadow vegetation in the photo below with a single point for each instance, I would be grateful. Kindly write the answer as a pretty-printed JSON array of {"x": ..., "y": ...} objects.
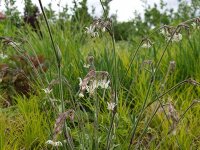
[{"x": 83, "y": 83}]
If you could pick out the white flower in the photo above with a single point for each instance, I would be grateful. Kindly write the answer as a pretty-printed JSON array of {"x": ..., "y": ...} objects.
[
  {"x": 176, "y": 38},
  {"x": 86, "y": 65},
  {"x": 80, "y": 81},
  {"x": 91, "y": 88},
  {"x": 58, "y": 143},
  {"x": 164, "y": 32},
  {"x": 103, "y": 29},
  {"x": 3, "y": 56},
  {"x": 13, "y": 44},
  {"x": 91, "y": 31},
  {"x": 195, "y": 25},
  {"x": 47, "y": 90},
  {"x": 146, "y": 45},
  {"x": 104, "y": 84},
  {"x": 111, "y": 106},
  {"x": 81, "y": 95}
]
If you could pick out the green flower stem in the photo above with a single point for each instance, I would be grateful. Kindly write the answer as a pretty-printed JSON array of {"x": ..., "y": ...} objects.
[
  {"x": 171, "y": 89},
  {"x": 58, "y": 59},
  {"x": 149, "y": 88},
  {"x": 133, "y": 55},
  {"x": 115, "y": 90}
]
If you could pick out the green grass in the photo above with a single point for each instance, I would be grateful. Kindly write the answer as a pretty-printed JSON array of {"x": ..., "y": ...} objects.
[{"x": 24, "y": 125}]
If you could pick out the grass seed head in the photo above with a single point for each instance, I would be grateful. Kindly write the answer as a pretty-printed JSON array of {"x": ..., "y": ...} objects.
[
  {"x": 58, "y": 127},
  {"x": 172, "y": 66}
]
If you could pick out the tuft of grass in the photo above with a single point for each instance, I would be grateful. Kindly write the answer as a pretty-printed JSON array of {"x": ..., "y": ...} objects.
[{"x": 25, "y": 126}]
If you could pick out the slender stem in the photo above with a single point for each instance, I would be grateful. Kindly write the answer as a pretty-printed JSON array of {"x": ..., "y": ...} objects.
[
  {"x": 149, "y": 87},
  {"x": 133, "y": 55},
  {"x": 110, "y": 130},
  {"x": 115, "y": 90},
  {"x": 139, "y": 117},
  {"x": 58, "y": 59},
  {"x": 181, "y": 117},
  {"x": 147, "y": 125},
  {"x": 104, "y": 11},
  {"x": 158, "y": 98},
  {"x": 115, "y": 68},
  {"x": 171, "y": 89},
  {"x": 50, "y": 34},
  {"x": 145, "y": 129},
  {"x": 96, "y": 125}
]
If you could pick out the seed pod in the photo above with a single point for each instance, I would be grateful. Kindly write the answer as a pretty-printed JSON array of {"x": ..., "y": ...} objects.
[{"x": 60, "y": 122}]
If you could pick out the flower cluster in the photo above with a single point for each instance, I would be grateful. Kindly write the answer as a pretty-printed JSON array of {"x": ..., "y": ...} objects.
[
  {"x": 92, "y": 81},
  {"x": 168, "y": 33},
  {"x": 196, "y": 23},
  {"x": 146, "y": 43},
  {"x": 176, "y": 38},
  {"x": 98, "y": 25},
  {"x": 102, "y": 25},
  {"x": 91, "y": 31},
  {"x": 111, "y": 106}
]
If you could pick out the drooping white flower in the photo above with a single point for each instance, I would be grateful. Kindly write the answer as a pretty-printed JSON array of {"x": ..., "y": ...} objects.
[
  {"x": 80, "y": 81},
  {"x": 104, "y": 84},
  {"x": 81, "y": 95},
  {"x": 195, "y": 25},
  {"x": 13, "y": 44},
  {"x": 164, "y": 32},
  {"x": 47, "y": 90},
  {"x": 176, "y": 38},
  {"x": 146, "y": 45},
  {"x": 58, "y": 143},
  {"x": 91, "y": 88},
  {"x": 91, "y": 31},
  {"x": 3, "y": 56},
  {"x": 86, "y": 65},
  {"x": 111, "y": 105},
  {"x": 103, "y": 29}
]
